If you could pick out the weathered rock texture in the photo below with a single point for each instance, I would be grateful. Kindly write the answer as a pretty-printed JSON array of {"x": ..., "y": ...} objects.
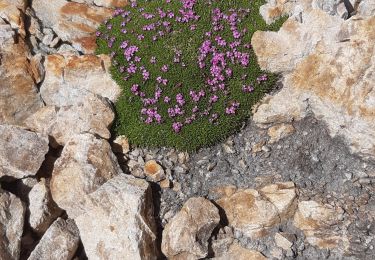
[
  {"x": 85, "y": 164},
  {"x": 43, "y": 210},
  {"x": 21, "y": 152},
  {"x": 73, "y": 22},
  {"x": 186, "y": 235},
  {"x": 118, "y": 221},
  {"x": 19, "y": 96},
  {"x": 60, "y": 242},
  {"x": 316, "y": 220},
  {"x": 12, "y": 214},
  {"x": 253, "y": 213},
  {"x": 329, "y": 68}
]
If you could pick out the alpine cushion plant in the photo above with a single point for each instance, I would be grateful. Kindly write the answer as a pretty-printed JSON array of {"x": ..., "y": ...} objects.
[{"x": 186, "y": 67}]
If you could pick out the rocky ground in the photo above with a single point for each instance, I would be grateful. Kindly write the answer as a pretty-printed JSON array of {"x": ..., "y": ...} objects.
[{"x": 297, "y": 181}]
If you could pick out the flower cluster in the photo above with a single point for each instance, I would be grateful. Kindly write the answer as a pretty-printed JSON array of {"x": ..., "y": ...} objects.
[{"x": 168, "y": 81}]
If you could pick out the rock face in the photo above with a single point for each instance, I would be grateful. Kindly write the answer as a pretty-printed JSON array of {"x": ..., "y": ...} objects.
[
  {"x": 75, "y": 89},
  {"x": 19, "y": 96},
  {"x": 60, "y": 242},
  {"x": 43, "y": 210},
  {"x": 73, "y": 22},
  {"x": 12, "y": 213},
  {"x": 118, "y": 222},
  {"x": 316, "y": 221},
  {"x": 186, "y": 235},
  {"x": 86, "y": 72},
  {"x": 252, "y": 212},
  {"x": 30, "y": 150},
  {"x": 321, "y": 76},
  {"x": 85, "y": 164}
]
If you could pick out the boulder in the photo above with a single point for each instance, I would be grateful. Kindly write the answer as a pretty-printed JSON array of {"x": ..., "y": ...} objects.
[
  {"x": 322, "y": 77},
  {"x": 186, "y": 235},
  {"x": 12, "y": 214},
  {"x": 85, "y": 164},
  {"x": 320, "y": 224},
  {"x": 19, "y": 95},
  {"x": 72, "y": 22},
  {"x": 86, "y": 72},
  {"x": 252, "y": 213},
  {"x": 118, "y": 221},
  {"x": 60, "y": 242},
  {"x": 43, "y": 210},
  {"x": 21, "y": 152}
]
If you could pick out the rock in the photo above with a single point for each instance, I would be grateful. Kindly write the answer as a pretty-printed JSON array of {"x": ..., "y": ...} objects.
[
  {"x": 283, "y": 196},
  {"x": 12, "y": 12},
  {"x": 366, "y": 8},
  {"x": 19, "y": 95},
  {"x": 72, "y": 22},
  {"x": 251, "y": 214},
  {"x": 118, "y": 221},
  {"x": 12, "y": 214},
  {"x": 282, "y": 242},
  {"x": 30, "y": 150},
  {"x": 43, "y": 210},
  {"x": 85, "y": 164},
  {"x": 278, "y": 132},
  {"x": 318, "y": 223},
  {"x": 256, "y": 148},
  {"x": 121, "y": 145},
  {"x": 86, "y": 72},
  {"x": 60, "y": 242},
  {"x": 154, "y": 171},
  {"x": 165, "y": 184},
  {"x": 186, "y": 235},
  {"x": 236, "y": 251},
  {"x": 105, "y": 3},
  {"x": 248, "y": 213},
  {"x": 37, "y": 68},
  {"x": 321, "y": 78},
  {"x": 94, "y": 116}
]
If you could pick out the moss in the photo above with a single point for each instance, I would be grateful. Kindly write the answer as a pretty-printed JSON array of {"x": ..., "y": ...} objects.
[{"x": 182, "y": 79}]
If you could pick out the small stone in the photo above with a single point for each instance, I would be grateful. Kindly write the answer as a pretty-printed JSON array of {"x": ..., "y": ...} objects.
[
  {"x": 278, "y": 132},
  {"x": 228, "y": 149},
  {"x": 211, "y": 166},
  {"x": 179, "y": 170},
  {"x": 60, "y": 242},
  {"x": 137, "y": 171},
  {"x": 154, "y": 171},
  {"x": 182, "y": 157},
  {"x": 165, "y": 184},
  {"x": 188, "y": 232},
  {"x": 54, "y": 42},
  {"x": 256, "y": 148},
  {"x": 121, "y": 145},
  {"x": 176, "y": 186},
  {"x": 282, "y": 242}
]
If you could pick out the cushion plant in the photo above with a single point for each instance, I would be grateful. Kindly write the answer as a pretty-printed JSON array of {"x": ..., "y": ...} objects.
[{"x": 187, "y": 69}]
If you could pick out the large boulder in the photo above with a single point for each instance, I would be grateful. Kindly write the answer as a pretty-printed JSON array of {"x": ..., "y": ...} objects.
[
  {"x": 43, "y": 210},
  {"x": 21, "y": 152},
  {"x": 12, "y": 214},
  {"x": 60, "y": 242},
  {"x": 186, "y": 235},
  {"x": 253, "y": 212},
  {"x": 118, "y": 221},
  {"x": 86, "y": 163},
  {"x": 19, "y": 95},
  {"x": 322, "y": 77}
]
